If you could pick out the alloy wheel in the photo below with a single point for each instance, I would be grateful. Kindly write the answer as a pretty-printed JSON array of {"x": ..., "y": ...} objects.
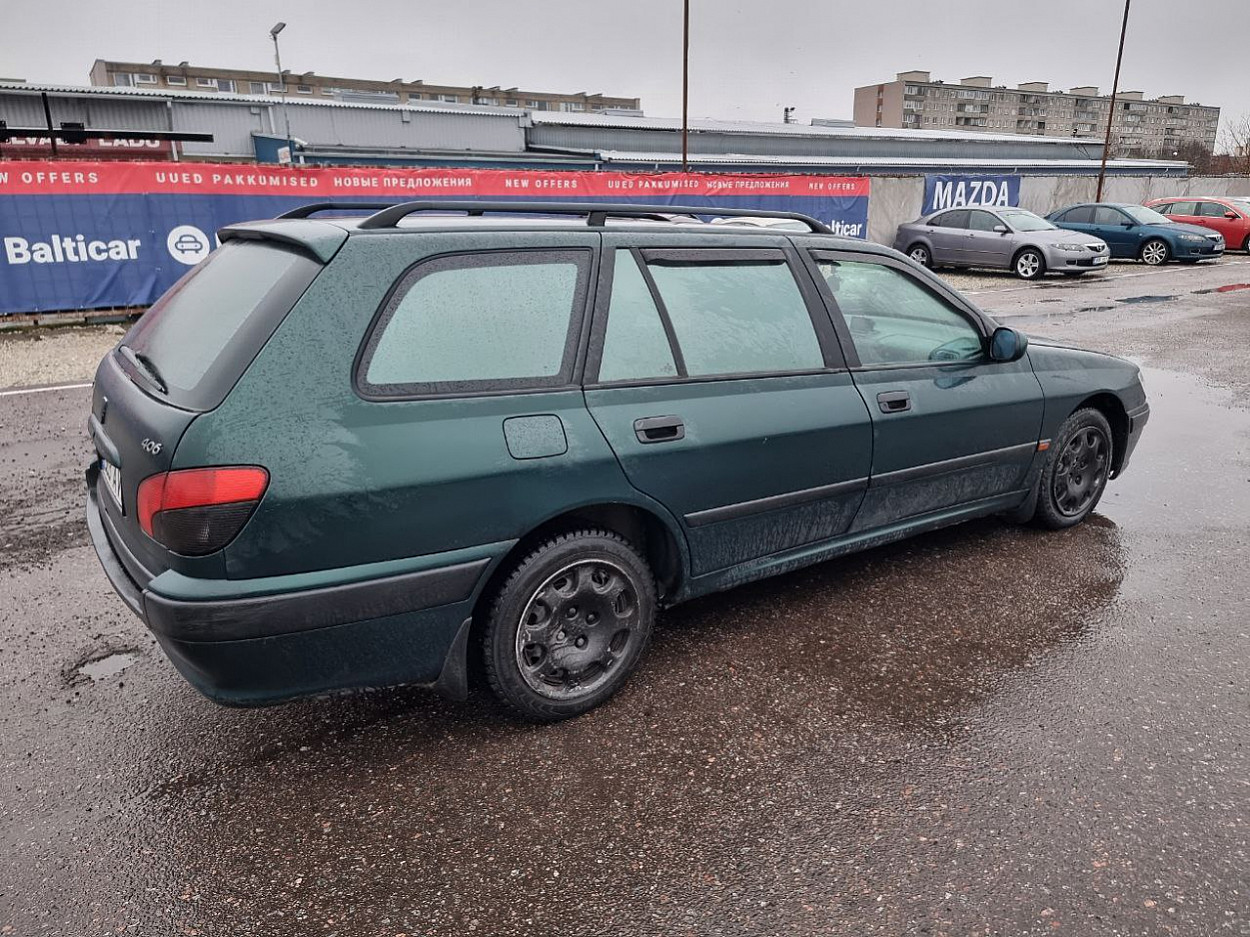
[
  {"x": 1081, "y": 471},
  {"x": 1028, "y": 265},
  {"x": 575, "y": 629},
  {"x": 1154, "y": 253},
  {"x": 920, "y": 255}
]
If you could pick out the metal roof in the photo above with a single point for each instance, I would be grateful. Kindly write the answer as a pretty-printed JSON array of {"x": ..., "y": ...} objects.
[
  {"x": 614, "y": 121},
  {"x": 888, "y": 162},
  {"x": 226, "y": 97}
]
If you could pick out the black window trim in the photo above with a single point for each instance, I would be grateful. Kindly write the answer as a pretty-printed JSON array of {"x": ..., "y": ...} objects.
[
  {"x": 830, "y": 344},
  {"x": 934, "y": 287},
  {"x": 572, "y": 360}
]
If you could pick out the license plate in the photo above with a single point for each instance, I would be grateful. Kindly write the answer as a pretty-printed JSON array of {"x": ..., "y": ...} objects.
[
  {"x": 1099, "y": 261},
  {"x": 112, "y": 477}
]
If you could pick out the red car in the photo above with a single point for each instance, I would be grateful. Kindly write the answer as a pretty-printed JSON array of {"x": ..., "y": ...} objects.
[{"x": 1229, "y": 215}]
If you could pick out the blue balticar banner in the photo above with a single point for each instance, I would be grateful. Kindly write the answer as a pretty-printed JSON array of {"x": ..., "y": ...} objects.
[
  {"x": 92, "y": 235},
  {"x": 949, "y": 191}
]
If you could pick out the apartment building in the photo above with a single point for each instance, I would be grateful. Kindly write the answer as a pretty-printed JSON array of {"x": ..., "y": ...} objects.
[
  {"x": 156, "y": 75},
  {"x": 1140, "y": 126}
]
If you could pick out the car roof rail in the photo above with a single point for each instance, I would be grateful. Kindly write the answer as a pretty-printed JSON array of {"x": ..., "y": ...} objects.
[
  {"x": 304, "y": 211},
  {"x": 596, "y": 214}
]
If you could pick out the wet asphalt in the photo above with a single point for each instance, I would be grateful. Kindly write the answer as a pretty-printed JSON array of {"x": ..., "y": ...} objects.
[{"x": 988, "y": 730}]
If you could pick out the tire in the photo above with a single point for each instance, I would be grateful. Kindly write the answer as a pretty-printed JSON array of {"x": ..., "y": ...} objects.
[
  {"x": 1029, "y": 264},
  {"x": 569, "y": 625},
  {"x": 1075, "y": 475},
  {"x": 1246, "y": 246},
  {"x": 1155, "y": 252},
  {"x": 921, "y": 255}
]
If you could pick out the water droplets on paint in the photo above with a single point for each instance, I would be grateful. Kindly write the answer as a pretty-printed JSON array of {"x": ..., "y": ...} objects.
[{"x": 110, "y": 665}]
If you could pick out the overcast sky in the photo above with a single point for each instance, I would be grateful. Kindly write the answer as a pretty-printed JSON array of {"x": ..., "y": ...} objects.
[{"x": 749, "y": 58}]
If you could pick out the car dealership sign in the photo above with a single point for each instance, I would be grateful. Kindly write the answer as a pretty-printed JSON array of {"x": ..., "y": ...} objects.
[
  {"x": 84, "y": 235},
  {"x": 946, "y": 191}
]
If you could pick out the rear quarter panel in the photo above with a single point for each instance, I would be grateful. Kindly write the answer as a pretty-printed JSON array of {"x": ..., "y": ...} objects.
[{"x": 355, "y": 481}]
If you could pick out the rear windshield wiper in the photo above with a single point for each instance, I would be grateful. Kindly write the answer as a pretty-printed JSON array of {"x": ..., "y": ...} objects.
[{"x": 144, "y": 363}]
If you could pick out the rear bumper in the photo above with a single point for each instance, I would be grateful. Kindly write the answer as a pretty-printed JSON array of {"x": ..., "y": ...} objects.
[{"x": 261, "y": 649}]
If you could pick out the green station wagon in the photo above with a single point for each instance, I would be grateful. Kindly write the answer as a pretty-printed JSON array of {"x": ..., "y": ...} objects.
[{"x": 357, "y": 451}]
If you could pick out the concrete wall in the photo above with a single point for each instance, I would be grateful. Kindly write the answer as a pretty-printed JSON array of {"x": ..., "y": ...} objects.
[{"x": 896, "y": 200}]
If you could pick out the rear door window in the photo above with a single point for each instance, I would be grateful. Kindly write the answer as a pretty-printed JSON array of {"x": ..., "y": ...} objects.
[
  {"x": 199, "y": 337},
  {"x": 1083, "y": 214},
  {"x": 636, "y": 345},
  {"x": 952, "y": 219},
  {"x": 499, "y": 320},
  {"x": 735, "y": 311},
  {"x": 1184, "y": 208}
]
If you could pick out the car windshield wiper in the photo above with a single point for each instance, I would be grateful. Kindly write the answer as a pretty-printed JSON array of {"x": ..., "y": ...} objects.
[{"x": 144, "y": 363}]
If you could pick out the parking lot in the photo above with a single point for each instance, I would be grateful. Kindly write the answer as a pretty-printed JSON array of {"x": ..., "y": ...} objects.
[{"x": 986, "y": 730}]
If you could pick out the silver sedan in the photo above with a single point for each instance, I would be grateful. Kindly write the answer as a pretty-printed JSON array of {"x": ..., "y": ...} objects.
[{"x": 1004, "y": 238}]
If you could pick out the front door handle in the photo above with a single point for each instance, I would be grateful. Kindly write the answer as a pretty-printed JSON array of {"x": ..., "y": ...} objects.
[
  {"x": 659, "y": 429},
  {"x": 894, "y": 401}
]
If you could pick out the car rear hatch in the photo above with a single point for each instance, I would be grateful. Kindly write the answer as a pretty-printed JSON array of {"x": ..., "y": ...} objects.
[{"x": 179, "y": 360}]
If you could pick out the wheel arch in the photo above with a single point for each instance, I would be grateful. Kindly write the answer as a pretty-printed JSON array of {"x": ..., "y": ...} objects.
[
  {"x": 660, "y": 544},
  {"x": 1111, "y": 407},
  {"x": 1028, "y": 247}
]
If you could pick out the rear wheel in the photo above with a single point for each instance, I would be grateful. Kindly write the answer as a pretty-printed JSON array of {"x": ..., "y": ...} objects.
[
  {"x": 1155, "y": 252},
  {"x": 1246, "y": 246},
  {"x": 569, "y": 625},
  {"x": 1075, "y": 474},
  {"x": 920, "y": 254},
  {"x": 1029, "y": 264}
]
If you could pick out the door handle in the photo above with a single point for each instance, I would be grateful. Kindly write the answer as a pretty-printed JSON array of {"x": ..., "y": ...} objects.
[
  {"x": 659, "y": 429},
  {"x": 894, "y": 401}
]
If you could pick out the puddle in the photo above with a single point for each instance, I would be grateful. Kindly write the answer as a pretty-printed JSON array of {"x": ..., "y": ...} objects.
[
  {"x": 1094, "y": 308},
  {"x": 108, "y": 666},
  {"x": 1146, "y": 299}
]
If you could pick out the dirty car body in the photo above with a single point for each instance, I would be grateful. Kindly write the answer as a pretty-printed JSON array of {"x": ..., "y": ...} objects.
[{"x": 350, "y": 468}]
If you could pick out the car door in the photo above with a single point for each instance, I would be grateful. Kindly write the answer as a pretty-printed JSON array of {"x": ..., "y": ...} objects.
[
  {"x": 951, "y": 428},
  {"x": 1122, "y": 234},
  {"x": 985, "y": 246},
  {"x": 949, "y": 235},
  {"x": 716, "y": 378},
  {"x": 1080, "y": 218},
  {"x": 1213, "y": 215}
]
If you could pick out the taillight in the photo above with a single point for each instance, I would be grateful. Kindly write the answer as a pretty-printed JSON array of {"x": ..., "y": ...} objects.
[{"x": 200, "y": 510}]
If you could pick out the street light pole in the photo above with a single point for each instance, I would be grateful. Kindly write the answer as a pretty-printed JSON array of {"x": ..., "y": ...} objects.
[
  {"x": 685, "y": 86},
  {"x": 1115, "y": 89},
  {"x": 286, "y": 117}
]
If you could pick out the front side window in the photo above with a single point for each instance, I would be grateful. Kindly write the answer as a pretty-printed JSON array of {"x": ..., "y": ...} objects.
[
  {"x": 894, "y": 320},
  {"x": 1109, "y": 216},
  {"x": 1211, "y": 210},
  {"x": 982, "y": 221},
  {"x": 492, "y": 321},
  {"x": 635, "y": 345},
  {"x": 736, "y": 316}
]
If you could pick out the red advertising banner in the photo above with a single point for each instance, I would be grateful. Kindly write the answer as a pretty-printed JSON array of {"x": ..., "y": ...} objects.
[
  {"x": 93, "y": 149},
  {"x": 22, "y": 177}
]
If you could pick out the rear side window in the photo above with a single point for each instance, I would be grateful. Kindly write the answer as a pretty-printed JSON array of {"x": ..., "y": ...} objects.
[
  {"x": 471, "y": 322},
  {"x": 735, "y": 316},
  {"x": 204, "y": 332}
]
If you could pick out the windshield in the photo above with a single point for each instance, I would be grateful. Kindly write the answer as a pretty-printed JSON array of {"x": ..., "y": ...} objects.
[
  {"x": 1143, "y": 215},
  {"x": 1023, "y": 220},
  {"x": 195, "y": 341}
]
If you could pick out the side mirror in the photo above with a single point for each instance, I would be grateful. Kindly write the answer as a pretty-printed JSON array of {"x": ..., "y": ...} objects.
[
  {"x": 1008, "y": 344},
  {"x": 1231, "y": 215},
  {"x": 1001, "y": 228},
  {"x": 1130, "y": 224}
]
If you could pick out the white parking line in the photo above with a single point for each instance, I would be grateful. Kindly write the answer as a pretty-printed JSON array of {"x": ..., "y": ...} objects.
[
  {"x": 1106, "y": 279},
  {"x": 42, "y": 390}
]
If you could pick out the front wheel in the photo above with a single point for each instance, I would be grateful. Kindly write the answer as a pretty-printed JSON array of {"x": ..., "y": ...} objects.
[
  {"x": 1076, "y": 470},
  {"x": 920, "y": 254},
  {"x": 1030, "y": 264},
  {"x": 1155, "y": 252},
  {"x": 569, "y": 625}
]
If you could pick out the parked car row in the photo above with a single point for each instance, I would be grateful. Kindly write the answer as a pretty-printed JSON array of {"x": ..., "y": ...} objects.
[{"x": 1078, "y": 238}]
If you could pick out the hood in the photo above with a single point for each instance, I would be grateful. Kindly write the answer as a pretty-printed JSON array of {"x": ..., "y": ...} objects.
[
  {"x": 1062, "y": 236},
  {"x": 1182, "y": 228}
]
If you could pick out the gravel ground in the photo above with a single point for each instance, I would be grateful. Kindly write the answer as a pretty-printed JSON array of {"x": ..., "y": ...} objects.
[{"x": 54, "y": 356}]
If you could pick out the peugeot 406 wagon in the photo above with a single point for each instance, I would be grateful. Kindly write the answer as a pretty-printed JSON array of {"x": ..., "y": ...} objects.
[{"x": 356, "y": 451}]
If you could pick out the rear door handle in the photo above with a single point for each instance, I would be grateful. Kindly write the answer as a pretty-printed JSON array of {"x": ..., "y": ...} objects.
[
  {"x": 894, "y": 401},
  {"x": 659, "y": 429}
]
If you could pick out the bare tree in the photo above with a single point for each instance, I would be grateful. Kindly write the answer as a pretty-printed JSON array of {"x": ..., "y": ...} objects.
[{"x": 1235, "y": 142}]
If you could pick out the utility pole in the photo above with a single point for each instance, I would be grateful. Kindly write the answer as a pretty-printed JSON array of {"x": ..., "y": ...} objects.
[
  {"x": 286, "y": 117},
  {"x": 1115, "y": 89},
  {"x": 685, "y": 87}
]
